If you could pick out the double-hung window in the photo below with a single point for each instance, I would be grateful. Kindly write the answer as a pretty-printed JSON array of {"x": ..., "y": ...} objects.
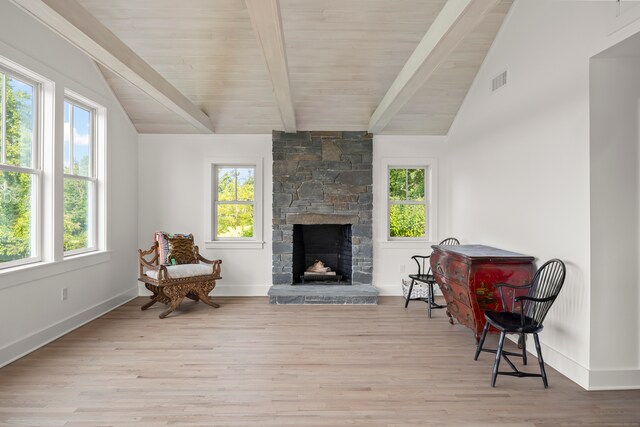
[
  {"x": 234, "y": 213},
  {"x": 408, "y": 202},
  {"x": 80, "y": 178},
  {"x": 34, "y": 180},
  {"x": 20, "y": 169}
]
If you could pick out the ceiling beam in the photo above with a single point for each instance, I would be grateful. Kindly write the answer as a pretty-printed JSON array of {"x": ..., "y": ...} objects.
[
  {"x": 267, "y": 24},
  {"x": 69, "y": 19},
  {"x": 457, "y": 19}
]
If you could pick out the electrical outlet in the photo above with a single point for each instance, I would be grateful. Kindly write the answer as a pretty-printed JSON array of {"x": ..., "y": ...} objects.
[
  {"x": 64, "y": 294},
  {"x": 402, "y": 268}
]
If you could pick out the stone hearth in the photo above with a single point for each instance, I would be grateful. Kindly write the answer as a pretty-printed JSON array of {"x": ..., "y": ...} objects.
[
  {"x": 323, "y": 294},
  {"x": 322, "y": 178}
]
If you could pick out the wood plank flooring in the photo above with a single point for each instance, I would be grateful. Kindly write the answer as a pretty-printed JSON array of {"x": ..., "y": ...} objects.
[{"x": 253, "y": 364}]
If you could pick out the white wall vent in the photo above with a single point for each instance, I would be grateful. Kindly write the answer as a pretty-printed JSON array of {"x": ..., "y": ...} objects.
[{"x": 499, "y": 81}]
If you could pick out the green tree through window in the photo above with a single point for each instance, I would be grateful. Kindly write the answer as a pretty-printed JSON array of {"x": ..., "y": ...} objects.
[
  {"x": 79, "y": 178},
  {"x": 235, "y": 202},
  {"x": 18, "y": 176},
  {"x": 407, "y": 202}
]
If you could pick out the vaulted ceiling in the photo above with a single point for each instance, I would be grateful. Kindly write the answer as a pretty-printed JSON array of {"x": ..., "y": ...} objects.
[{"x": 253, "y": 66}]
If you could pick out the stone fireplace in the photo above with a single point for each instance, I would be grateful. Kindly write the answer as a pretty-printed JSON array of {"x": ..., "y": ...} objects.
[{"x": 322, "y": 179}]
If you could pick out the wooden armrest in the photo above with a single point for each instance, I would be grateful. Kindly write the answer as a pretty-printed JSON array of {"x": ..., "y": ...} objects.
[
  {"x": 528, "y": 298},
  {"x": 152, "y": 250},
  {"x": 216, "y": 262},
  {"x": 151, "y": 264}
]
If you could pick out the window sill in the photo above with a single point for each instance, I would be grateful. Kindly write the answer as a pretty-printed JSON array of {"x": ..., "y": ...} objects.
[
  {"x": 83, "y": 251},
  {"x": 28, "y": 273},
  {"x": 234, "y": 245},
  {"x": 423, "y": 245}
]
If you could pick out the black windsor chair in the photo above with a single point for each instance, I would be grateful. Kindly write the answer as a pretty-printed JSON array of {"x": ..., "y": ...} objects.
[
  {"x": 526, "y": 317},
  {"x": 425, "y": 276}
]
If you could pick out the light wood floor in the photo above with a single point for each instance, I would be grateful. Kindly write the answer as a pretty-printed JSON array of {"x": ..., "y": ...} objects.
[{"x": 253, "y": 364}]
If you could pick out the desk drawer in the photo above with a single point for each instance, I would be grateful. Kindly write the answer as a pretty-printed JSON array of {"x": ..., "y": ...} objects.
[
  {"x": 462, "y": 313},
  {"x": 459, "y": 293},
  {"x": 459, "y": 271},
  {"x": 454, "y": 292},
  {"x": 455, "y": 270}
]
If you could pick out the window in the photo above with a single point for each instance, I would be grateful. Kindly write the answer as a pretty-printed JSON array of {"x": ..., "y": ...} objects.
[
  {"x": 20, "y": 169},
  {"x": 40, "y": 173},
  {"x": 234, "y": 208},
  {"x": 408, "y": 202},
  {"x": 80, "y": 217},
  {"x": 234, "y": 203}
]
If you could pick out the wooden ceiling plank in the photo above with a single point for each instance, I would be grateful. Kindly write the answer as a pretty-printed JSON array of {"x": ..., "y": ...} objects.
[
  {"x": 69, "y": 19},
  {"x": 457, "y": 19},
  {"x": 267, "y": 24}
]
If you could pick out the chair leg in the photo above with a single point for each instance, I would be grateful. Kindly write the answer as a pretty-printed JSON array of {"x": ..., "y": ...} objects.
[
  {"x": 150, "y": 303},
  {"x": 523, "y": 338},
  {"x": 540, "y": 361},
  {"x": 153, "y": 298},
  {"x": 430, "y": 299},
  {"x": 406, "y": 303},
  {"x": 175, "y": 302},
  {"x": 205, "y": 299},
  {"x": 481, "y": 343},
  {"x": 494, "y": 374}
]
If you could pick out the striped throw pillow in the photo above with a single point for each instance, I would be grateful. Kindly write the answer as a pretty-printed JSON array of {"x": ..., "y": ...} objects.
[{"x": 181, "y": 250}]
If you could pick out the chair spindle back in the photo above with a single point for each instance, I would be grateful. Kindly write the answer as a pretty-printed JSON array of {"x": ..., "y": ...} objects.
[{"x": 546, "y": 285}]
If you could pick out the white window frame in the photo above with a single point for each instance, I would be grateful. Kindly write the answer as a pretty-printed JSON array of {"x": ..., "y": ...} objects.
[
  {"x": 431, "y": 200},
  {"x": 36, "y": 169},
  {"x": 49, "y": 219},
  {"x": 210, "y": 170},
  {"x": 97, "y": 166}
]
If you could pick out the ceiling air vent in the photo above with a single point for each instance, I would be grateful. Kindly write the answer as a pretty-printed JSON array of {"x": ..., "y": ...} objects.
[{"x": 499, "y": 81}]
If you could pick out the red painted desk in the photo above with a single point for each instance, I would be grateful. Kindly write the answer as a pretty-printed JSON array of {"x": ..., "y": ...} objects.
[{"x": 467, "y": 274}]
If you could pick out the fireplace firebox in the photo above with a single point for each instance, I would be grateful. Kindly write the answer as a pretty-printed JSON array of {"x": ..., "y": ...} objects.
[{"x": 329, "y": 243}]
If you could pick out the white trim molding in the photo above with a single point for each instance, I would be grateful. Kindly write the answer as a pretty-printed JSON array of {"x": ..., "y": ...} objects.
[
  {"x": 610, "y": 379},
  {"x": 26, "y": 345},
  {"x": 431, "y": 189},
  {"x": 257, "y": 242}
]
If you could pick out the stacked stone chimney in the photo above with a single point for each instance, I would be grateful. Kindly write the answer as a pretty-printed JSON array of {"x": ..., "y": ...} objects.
[{"x": 322, "y": 178}]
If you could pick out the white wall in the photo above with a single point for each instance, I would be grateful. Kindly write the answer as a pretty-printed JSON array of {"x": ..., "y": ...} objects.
[
  {"x": 175, "y": 200},
  {"x": 248, "y": 271},
  {"x": 615, "y": 218},
  {"x": 392, "y": 259},
  {"x": 32, "y": 312},
  {"x": 520, "y": 166}
]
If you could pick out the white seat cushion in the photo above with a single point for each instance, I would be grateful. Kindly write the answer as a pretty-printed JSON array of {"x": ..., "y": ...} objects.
[{"x": 183, "y": 270}]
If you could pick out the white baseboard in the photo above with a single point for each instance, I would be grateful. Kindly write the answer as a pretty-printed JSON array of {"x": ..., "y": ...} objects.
[
  {"x": 390, "y": 290},
  {"x": 561, "y": 363},
  {"x": 142, "y": 291},
  {"x": 590, "y": 379},
  {"x": 395, "y": 290},
  {"x": 24, "y": 346},
  {"x": 230, "y": 290},
  {"x": 623, "y": 379}
]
